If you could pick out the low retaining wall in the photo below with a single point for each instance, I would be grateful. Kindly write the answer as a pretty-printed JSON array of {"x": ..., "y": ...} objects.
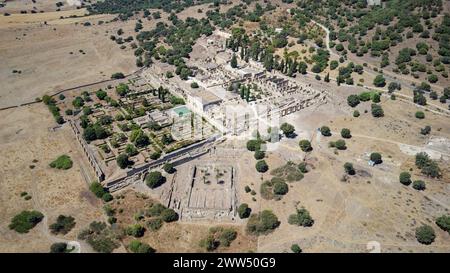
[{"x": 88, "y": 152}]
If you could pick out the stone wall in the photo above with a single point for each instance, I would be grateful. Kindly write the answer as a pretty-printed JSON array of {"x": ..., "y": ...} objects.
[{"x": 88, "y": 152}]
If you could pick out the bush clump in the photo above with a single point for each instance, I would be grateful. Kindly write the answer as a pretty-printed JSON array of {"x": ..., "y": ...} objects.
[
  {"x": 262, "y": 223},
  {"x": 169, "y": 215},
  {"x": 349, "y": 169},
  {"x": 135, "y": 230},
  {"x": 305, "y": 145},
  {"x": 63, "y": 224},
  {"x": 168, "y": 168},
  {"x": 155, "y": 224},
  {"x": 425, "y": 234},
  {"x": 376, "y": 158},
  {"x": 301, "y": 218},
  {"x": 419, "y": 185},
  {"x": 100, "y": 237},
  {"x": 427, "y": 166},
  {"x": 218, "y": 236},
  {"x": 26, "y": 220},
  {"x": 420, "y": 115},
  {"x": 154, "y": 179},
  {"x": 261, "y": 166},
  {"x": 295, "y": 248},
  {"x": 325, "y": 131},
  {"x": 59, "y": 248},
  {"x": 259, "y": 155},
  {"x": 405, "y": 178},
  {"x": 136, "y": 246},
  {"x": 345, "y": 133},
  {"x": 97, "y": 189},
  {"x": 444, "y": 223},
  {"x": 244, "y": 211},
  {"x": 63, "y": 162}
]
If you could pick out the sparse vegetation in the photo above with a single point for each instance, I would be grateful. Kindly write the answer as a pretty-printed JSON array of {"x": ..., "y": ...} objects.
[
  {"x": 405, "y": 178},
  {"x": 262, "y": 223},
  {"x": 101, "y": 237},
  {"x": 25, "y": 221},
  {"x": 301, "y": 218},
  {"x": 444, "y": 222},
  {"x": 295, "y": 248},
  {"x": 427, "y": 166},
  {"x": 244, "y": 211},
  {"x": 154, "y": 179},
  {"x": 305, "y": 145},
  {"x": 63, "y": 224},
  {"x": 425, "y": 234},
  {"x": 63, "y": 162},
  {"x": 136, "y": 246}
]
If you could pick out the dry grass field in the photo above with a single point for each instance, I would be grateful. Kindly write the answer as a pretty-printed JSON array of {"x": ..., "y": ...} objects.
[
  {"x": 55, "y": 50},
  {"x": 28, "y": 146},
  {"x": 53, "y": 53}
]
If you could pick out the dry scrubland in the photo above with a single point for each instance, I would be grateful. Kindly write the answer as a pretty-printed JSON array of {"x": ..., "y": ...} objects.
[
  {"x": 26, "y": 141},
  {"x": 370, "y": 206},
  {"x": 60, "y": 54}
]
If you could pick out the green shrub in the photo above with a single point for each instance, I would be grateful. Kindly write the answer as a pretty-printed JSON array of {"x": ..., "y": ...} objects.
[
  {"x": 376, "y": 110},
  {"x": 154, "y": 179},
  {"x": 58, "y": 248},
  {"x": 168, "y": 168},
  {"x": 301, "y": 218},
  {"x": 156, "y": 210},
  {"x": 154, "y": 224},
  {"x": 118, "y": 75},
  {"x": 136, "y": 246},
  {"x": 261, "y": 166},
  {"x": 419, "y": 185},
  {"x": 169, "y": 215},
  {"x": 444, "y": 223},
  {"x": 97, "y": 189},
  {"x": 425, "y": 235},
  {"x": 376, "y": 158},
  {"x": 348, "y": 167},
  {"x": 288, "y": 129},
  {"x": 303, "y": 167},
  {"x": 353, "y": 100},
  {"x": 262, "y": 223},
  {"x": 427, "y": 166},
  {"x": 405, "y": 178},
  {"x": 63, "y": 162},
  {"x": 325, "y": 131},
  {"x": 136, "y": 230},
  {"x": 123, "y": 161},
  {"x": 345, "y": 133},
  {"x": 280, "y": 188},
  {"x": 253, "y": 145},
  {"x": 340, "y": 144},
  {"x": 259, "y": 155},
  {"x": 244, "y": 211},
  {"x": 26, "y": 220},
  {"x": 296, "y": 248},
  {"x": 107, "y": 197},
  {"x": 63, "y": 224},
  {"x": 305, "y": 145},
  {"x": 420, "y": 115}
]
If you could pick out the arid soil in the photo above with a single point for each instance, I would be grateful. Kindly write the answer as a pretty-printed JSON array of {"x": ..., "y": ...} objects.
[{"x": 28, "y": 146}]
